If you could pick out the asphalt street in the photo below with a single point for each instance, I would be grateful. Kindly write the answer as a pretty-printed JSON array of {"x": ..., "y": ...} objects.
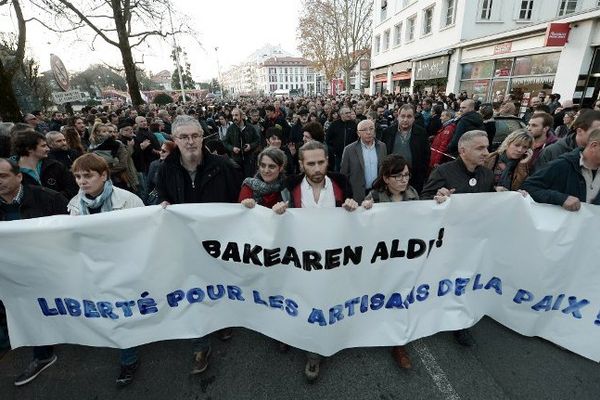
[{"x": 503, "y": 365}]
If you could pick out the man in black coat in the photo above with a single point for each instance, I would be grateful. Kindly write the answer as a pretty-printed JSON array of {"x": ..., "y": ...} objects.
[
  {"x": 20, "y": 201},
  {"x": 190, "y": 174},
  {"x": 339, "y": 135},
  {"x": 571, "y": 179},
  {"x": 59, "y": 149},
  {"x": 470, "y": 120},
  {"x": 411, "y": 142}
]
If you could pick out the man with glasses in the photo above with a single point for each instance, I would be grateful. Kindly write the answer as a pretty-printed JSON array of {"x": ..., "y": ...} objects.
[
  {"x": 191, "y": 174},
  {"x": 361, "y": 160}
]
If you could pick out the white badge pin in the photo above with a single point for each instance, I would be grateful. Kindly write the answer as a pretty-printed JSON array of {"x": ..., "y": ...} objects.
[{"x": 472, "y": 182}]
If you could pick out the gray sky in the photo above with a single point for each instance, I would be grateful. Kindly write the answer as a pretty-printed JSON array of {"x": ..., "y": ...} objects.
[{"x": 236, "y": 27}]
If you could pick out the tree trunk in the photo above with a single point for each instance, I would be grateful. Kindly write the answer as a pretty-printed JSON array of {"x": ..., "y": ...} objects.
[
  {"x": 130, "y": 74},
  {"x": 9, "y": 107},
  {"x": 126, "y": 54}
]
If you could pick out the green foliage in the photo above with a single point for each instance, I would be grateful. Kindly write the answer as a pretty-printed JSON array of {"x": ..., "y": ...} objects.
[
  {"x": 163, "y": 99},
  {"x": 188, "y": 81},
  {"x": 98, "y": 77}
]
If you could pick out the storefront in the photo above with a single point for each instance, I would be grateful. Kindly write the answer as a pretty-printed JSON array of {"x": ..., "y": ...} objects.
[
  {"x": 431, "y": 75},
  {"x": 588, "y": 86},
  {"x": 520, "y": 76}
]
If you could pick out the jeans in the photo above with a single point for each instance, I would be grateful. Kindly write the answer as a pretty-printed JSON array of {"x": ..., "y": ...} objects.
[
  {"x": 201, "y": 344},
  {"x": 128, "y": 356}
]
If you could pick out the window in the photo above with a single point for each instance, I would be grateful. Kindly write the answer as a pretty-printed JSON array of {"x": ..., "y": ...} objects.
[
  {"x": 383, "y": 10},
  {"x": 449, "y": 16},
  {"x": 427, "y": 20},
  {"x": 486, "y": 10},
  {"x": 410, "y": 29},
  {"x": 567, "y": 7},
  {"x": 377, "y": 44},
  {"x": 386, "y": 40},
  {"x": 397, "y": 34},
  {"x": 525, "y": 10}
]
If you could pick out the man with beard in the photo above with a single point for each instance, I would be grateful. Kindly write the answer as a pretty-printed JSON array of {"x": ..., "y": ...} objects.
[
  {"x": 56, "y": 122},
  {"x": 59, "y": 149},
  {"x": 241, "y": 142},
  {"x": 316, "y": 188}
]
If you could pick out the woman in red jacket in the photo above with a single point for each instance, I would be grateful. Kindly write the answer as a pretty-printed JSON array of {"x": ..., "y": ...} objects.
[{"x": 267, "y": 188}]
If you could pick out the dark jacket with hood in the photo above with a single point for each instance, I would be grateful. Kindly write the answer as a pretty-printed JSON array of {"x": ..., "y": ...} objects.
[
  {"x": 217, "y": 180},
  {"x": 560, "y": 179},
  {"x": 470, "y": 121}
]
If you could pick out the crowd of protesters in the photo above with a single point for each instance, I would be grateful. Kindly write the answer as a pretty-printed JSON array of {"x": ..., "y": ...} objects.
[{"x": 305, "y": 152}]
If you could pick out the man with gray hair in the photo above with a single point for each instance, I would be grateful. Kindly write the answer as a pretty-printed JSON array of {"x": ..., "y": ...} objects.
[
  {"x": 59, "y": 149},
  {"x": 466, "y": 174},
  {"x": 191, "y": 174}
]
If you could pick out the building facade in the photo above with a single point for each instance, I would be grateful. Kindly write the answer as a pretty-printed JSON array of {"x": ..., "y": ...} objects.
[
  {"x": 487, "y": 47},
  {"x": 291, "y": 74}
]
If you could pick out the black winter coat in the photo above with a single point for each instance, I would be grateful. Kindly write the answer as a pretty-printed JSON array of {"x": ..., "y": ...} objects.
[
  {"x": 419, "y": 148},
  {"x": 558, "y": 180},
  {"x": 218, "y": 180},
  {"x": 339, "y": 135},
  {"x": 54, "y": 175},
  {"x": 455, "y": 175},
  {"x": 39, "y": 201}
]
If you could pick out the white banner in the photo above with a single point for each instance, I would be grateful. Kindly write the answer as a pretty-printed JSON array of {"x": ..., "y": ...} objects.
[
  {"x": 320, "y": 279},
  {"x": 67, "y": 97}
]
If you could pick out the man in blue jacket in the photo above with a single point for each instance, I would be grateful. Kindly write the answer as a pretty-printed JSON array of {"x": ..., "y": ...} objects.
[{"x": 571, "y": 179}]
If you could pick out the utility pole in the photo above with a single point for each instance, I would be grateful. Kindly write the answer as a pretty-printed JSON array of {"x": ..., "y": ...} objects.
[
  {"x": 219, "y": 72},
  {"x": 176, "y": 54}
]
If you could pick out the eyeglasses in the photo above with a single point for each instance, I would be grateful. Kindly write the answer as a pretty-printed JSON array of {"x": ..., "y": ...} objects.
[
  {"x": 184, "y": 138},
  {"x": 401, "y": 177},
  {"x": 367, "y": 130}
]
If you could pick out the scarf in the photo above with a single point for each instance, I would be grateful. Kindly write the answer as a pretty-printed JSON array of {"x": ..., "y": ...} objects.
[
  {"x": 507, "y": 174},
  {"x": 103, "y": 200},
  {"x": 260, "y": 188}
]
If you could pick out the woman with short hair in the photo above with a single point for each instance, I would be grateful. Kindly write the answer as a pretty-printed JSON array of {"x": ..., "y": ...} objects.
[{"x": 97, "y": 195}]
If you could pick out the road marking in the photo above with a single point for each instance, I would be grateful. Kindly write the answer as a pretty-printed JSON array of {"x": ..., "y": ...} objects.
[{"x": 435, "y": 371}]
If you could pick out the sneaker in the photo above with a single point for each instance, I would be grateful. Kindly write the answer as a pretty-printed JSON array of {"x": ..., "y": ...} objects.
[
  {"x": 200, "y": 361},
  {"x": 225, "y": 334},
  {"x": 401, "y": 356},
  {"x": 311, "y": 371},
  {"x": 127, "y": 373},
  {"x": 464, "y": 337},
  {"x": 34, "y": 368}
]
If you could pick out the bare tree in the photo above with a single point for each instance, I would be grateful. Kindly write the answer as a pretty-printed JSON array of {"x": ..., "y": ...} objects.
[
  {"x": 11, "y": 59},
  {"x": 338, "y": 28},
  {"x": 315, "y": 42},
  {"x": 124, "y": 24}
]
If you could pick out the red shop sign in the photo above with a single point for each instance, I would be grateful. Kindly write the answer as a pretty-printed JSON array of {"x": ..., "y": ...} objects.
[{"x": 557, "y": 34}]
